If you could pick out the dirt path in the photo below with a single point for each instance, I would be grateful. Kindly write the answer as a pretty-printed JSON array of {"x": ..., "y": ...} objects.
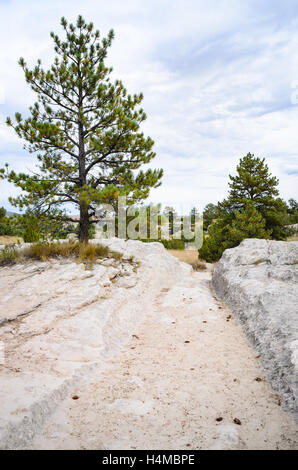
[{"x": 185, "y": 375}]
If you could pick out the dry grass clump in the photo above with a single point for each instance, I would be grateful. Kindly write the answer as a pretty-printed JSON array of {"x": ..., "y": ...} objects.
[
  {"x": 44, "y": 251},
  {"x": 83, "y": 252},
  {"x": 91, "y": 252},
  {"x": 116, "y": 255},
  {"x": 199, "y": 265},
  {"x": 9, "y": 255}
]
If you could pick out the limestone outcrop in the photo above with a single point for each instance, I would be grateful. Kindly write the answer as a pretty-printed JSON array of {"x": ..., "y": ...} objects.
[
  {"x": 258, "y": 281},
  {"x": 59, "y": 320}
]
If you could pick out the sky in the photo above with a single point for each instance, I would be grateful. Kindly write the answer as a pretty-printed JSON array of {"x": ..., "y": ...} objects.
[{"x": 220, "y": 79}]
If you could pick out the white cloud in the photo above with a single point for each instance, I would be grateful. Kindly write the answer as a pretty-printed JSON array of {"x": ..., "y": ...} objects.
[{"x": 216, "y": 78}]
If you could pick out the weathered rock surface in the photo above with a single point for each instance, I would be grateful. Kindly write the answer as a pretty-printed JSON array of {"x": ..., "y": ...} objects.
[
  {"x": 150, "y": 356},
  {"x": 59, "y": 320},
  {"x": 258, "y": 281}
]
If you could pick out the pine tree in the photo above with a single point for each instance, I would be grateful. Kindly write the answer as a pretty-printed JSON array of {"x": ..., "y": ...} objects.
[
  {"x": 216, "y": 241},
  {"x": 209, "y": 215},
  {"x": 171, "y": 214},
  {"x": 194, "y": 217},
  {"x": 248, "y": 223},
  {"x": 6, "y": 223},
  {"x": 251, "y": 210},
  {"x": 2, "y": 213},
  {"x": 85, "y": 130},
  {"x": 222, "y": 234},
  {"x": 253, "y": 182},
  {"x": 293, "y": 211}
]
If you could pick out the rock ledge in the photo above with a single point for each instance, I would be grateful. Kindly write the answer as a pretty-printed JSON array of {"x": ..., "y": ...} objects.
[{"x": 258, "y": 281}]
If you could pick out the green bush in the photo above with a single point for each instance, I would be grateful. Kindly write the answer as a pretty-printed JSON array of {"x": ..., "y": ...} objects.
[
  {"x": 225, "y": 233},
  {"x": 216, "y": 242},
  {"x": 6, "y": 224},
  {"x": 173, "y": 244},
  {"x": 6, "y": 228},
  {"x": 31, "y": 234}
]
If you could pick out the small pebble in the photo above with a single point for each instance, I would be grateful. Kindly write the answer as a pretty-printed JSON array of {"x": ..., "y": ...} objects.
[{"x": 237, "y": 421}]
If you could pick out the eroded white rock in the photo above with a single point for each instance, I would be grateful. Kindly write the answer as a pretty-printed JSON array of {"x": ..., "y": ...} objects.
[
  {"x": 59, "y": 320},
  {"x": 258, "y": 280}
]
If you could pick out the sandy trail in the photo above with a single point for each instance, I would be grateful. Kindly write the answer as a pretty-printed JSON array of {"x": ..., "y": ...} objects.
[{"x": 187, "y": 365}]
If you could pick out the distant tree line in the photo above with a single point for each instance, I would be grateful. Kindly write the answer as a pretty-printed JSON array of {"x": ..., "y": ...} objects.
[
  {"x": 252, "y": 209},
  {"x": 33, "y": 227}
]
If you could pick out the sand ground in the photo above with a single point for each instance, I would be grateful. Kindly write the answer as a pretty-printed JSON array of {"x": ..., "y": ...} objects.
[
  {"x": 186, "y": 374},
  {"x": 8, "y": 240},
  {"x": 187, "y": 256}
]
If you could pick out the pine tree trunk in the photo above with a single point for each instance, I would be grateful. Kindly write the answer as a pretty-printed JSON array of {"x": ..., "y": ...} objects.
[
  {"x": 84, "y": 212},
  {"x": 84, "y": 225}
]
